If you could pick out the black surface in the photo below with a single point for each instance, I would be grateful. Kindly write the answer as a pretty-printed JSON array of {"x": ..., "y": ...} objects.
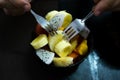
[{"x": 19, "y": 62}]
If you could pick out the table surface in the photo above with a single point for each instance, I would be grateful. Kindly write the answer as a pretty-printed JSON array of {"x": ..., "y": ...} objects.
[{"x": 18, "y": 61}]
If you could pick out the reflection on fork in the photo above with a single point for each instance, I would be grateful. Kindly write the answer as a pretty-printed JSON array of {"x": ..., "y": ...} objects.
[
  {"x": 75, "y": 28},
  {"x": 78, "y": 27},
  {"x": 44, "y": 23}
]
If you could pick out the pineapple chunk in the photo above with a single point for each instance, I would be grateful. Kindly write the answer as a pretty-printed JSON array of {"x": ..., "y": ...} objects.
[
  {"x": 53, "y": 40},
  {"x": 82, "y": 48},
  {"x": 63, "y": 48},
  {"x": 40, "y": 41},
  {"x": 63, "y": 61},
  {"x": 59, "y": 19},
  {"x": 51, "y": 14},
  {"x": 67, "y": 19}
]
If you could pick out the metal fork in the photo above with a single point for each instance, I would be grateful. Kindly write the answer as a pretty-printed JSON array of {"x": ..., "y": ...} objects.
[
  {"x": 44, "y": 23},
  {"x": 77, "y": 27}
]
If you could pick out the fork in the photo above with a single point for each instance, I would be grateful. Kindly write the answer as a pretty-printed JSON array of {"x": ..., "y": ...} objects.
[
  {"x": 78, "y": 27},
  {"x": 44, "y": 23}
]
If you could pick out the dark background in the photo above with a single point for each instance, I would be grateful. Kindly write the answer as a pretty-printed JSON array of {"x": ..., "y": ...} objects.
[{"x": 19, "y": 62}]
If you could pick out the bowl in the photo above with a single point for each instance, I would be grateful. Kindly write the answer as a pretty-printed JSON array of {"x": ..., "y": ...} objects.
[{"x": 69, "y": 69}]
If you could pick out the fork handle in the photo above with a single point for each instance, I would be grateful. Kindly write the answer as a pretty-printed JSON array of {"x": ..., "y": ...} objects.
[{"x": 90, "y": 14}]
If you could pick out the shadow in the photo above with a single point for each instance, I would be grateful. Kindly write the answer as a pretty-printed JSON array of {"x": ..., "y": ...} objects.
[
  {"x": 105, "y": 29},
  {"x": 42, "y": 7},
  {"x": 78, "y": 8}
]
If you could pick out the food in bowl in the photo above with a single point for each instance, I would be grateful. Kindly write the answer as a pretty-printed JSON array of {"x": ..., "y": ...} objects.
[{"x": 56, "y": 50}]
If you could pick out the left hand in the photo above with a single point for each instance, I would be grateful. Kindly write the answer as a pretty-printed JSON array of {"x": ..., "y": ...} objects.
[{"x": 15, "y": 7}]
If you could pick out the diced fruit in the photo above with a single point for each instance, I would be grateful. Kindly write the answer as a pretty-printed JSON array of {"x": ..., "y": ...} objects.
[
  {"x": 59, "y": 19},
  {"x": 45, "y": 56},
  {"x": 40, "y": 41},
  {"x": 39, "y": 30},
  {"x": 63, "y": 48},
  {"x": 74, "y": 55},
  {"x": 51, "y": 14},
  {"x": 67, "y": 19},
  {"x": 61, "y": 52},
  {"x": 74, "y": 43},
  {"x": 53, "y": 40},
  {"x": 63, "y": 61},
  {"x": 82, "y": 48}
]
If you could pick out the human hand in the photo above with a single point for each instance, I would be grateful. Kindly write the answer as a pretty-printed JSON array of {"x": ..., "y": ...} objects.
[
  {"x": 15, "y": 7},
  {"x": 106, "y": 5}
]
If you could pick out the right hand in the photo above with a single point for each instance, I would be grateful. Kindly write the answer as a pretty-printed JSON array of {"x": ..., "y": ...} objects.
[
  {"x": 15, "y": 7},
  {"x": 106, "y": 5}
]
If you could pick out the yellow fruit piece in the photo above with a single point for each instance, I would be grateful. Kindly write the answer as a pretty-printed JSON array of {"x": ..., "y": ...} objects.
[
  {"x": 74, "y": 43},
  {"x": 61, "y": 19},
  {"x": 51, "y": 14},
  {"x": 63, "y": 48},
  {"x": 82, "y": 48},
  {"x": 53, "y": 40},
  {"x": 40, "y": 41},
  {"x": 63, "y": 61},
  {"x": 67, "y": 19}
]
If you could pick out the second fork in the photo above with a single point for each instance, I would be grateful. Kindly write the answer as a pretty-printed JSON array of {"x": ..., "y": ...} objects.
[{"x": 44, "y": 23}]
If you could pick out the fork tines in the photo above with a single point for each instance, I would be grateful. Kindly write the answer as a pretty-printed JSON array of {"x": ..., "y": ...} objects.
[
  {"x": 44, "y": 23},
  {"x": 70, "y": 32},
  {"x": 50, "y": 29}
]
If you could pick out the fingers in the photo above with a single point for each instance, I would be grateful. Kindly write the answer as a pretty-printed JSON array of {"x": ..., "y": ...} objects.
[
  {"x": 96, "y": 1},
  {"x": 15, "y": 7},
  {"x": 102, "y": 6},
  {"x": 24, "y": 4},
  {"x": 3, "y": 3}
]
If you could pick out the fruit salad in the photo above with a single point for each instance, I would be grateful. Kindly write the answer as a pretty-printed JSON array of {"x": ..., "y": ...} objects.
[{"x": 56, "y": 50}]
